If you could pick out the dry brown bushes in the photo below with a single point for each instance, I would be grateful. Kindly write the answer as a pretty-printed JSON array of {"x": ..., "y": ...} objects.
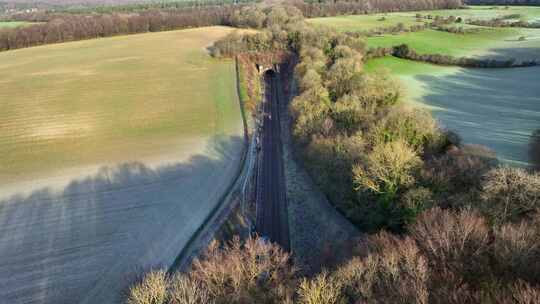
[
  {"x": 251, "y": 272},
  {"x": 151, "y": 290},
  {"x": 255, "y": 272},
  {"x": 456, "y": 243},
  {"x": 509, "y": 194},
  {"x": 448, "y": 257}
]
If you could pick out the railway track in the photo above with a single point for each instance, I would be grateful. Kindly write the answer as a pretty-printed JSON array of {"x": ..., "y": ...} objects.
[{"x": 272, "y": 221}]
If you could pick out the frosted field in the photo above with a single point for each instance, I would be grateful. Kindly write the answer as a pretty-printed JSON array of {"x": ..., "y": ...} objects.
[
  {"x": 84, "y": 210},
  {"x": 498, "y": 108}
]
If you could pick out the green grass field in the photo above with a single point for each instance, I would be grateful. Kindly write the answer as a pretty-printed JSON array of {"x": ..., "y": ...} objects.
[
  {"x": 113, "y": 99},
  {"x": 365, "y": 22},
  {"x": 368, "y": 22},
  {"x": 431, "y": 41},
  {"x": 437, "y": 42},
  {"x": 12, "y": 24},
  {"x": 530, "y": 13}
]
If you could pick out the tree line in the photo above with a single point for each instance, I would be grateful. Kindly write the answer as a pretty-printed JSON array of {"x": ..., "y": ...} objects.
[
  {"x": 405, "y": 52},
  {"x": 323, "y": 8},
  {"x": 142, "y": 6},
  {"x": 61, "y": 27},
  {"x": 66, "y": 27},
  {"x": 501, "y": 22}
]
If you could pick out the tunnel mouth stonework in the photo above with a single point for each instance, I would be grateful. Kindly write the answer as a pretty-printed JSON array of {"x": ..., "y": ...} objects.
[
  {"x": 263, "y": 69},
  {"x": 269, "y": 73}
]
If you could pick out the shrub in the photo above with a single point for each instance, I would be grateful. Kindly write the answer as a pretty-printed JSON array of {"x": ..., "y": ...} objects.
[
  {"x": 523, "y": 293},
  {"x": 349, "y": 114},
  {"x": 279, "y": 15},
  {"x": 330, "y": 160},
  {"x": 518, "y": 292},
  {"x": 510, "y": 193},
  {"x": 455, "y": 244},
  {"x": 311, "y": 58},
  {"x": 248, "y": 16},
  {"x": 255, "y": 272},
  {"x": 184, "y": 290},
  {"x": 323, "y": 289},
  {"x": 394, "y": 271},
  {"x": 343, "y": 77},
  {"x": 414, "y": 126},
  {"x": 309, "y": 80},
  {"x": 384, "y": 174},
  {"x": 455, "y": 177},
  {"x": 151, "y": 290},
  {"x": 516, "y": 249},
  {"x": 379, "y": 89},
  {"x": 389, "y": 168},
  {"x": 417, "y": 200},
  {"x": 309, "y": 110}
]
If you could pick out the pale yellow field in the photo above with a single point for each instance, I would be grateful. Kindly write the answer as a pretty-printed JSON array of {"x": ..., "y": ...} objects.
[{"x": 114, "y": 99}]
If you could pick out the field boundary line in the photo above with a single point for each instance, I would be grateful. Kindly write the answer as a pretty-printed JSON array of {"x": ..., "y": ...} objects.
[{"x": 204, "y": 234}]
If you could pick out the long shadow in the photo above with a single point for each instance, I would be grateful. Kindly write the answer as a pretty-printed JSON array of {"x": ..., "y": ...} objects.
[
  {"x": 498, "y": 108},
  {"x": 89, "y": 241},
  {"x": 523, "y": 51}
]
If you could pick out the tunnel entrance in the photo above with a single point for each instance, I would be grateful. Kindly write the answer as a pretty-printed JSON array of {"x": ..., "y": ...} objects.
[
  {"x": 269, "y": 77},
  {"x": 265, "y": 68},
  {"x": 269, "y": 74}
]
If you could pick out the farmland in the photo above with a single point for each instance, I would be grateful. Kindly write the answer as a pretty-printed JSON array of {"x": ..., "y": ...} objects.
[
  {"x": 431, "y": 41},
  {"x": 479, "y": 104},
  {"x": 112, "y": 96},
  {"x": 372, "y": 21},
  {"x": 113, "y": 152}
]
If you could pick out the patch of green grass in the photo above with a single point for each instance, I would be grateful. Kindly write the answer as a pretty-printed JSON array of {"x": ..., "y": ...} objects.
[
  {"x": 489, "y": 12},
  {"x": 399, "y": 66},
  {"x": 13, "y": 24},
  {"x": 112, "y": 99},
  {"x": 437, "y": 42},
  {"x": 365, "y": 22},
  {"x": 244, "y": 97}
]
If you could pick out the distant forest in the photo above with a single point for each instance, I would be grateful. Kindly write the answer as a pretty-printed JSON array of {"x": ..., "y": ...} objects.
[{"x": 60, "y": 27}]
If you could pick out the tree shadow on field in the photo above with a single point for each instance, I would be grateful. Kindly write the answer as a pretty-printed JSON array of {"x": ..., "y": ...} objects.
[
  {"x": 498, "y": 108},
  {"x": 87, "y": 242},
  {"x": 522, "y": 52}
]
